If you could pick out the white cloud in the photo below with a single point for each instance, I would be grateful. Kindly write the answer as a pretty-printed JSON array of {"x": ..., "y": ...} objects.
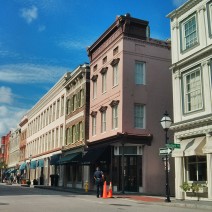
[
  {"x": 30, "y": 73},
  {"x": 6, "y": 95},
  {"x": 178, "y": 3},
  {"x": 29, "y": 14},
  {"x": 10, "y": 118}
]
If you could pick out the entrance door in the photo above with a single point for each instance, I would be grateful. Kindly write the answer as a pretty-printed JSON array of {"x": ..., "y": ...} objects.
[{"x": 130, "y": 173}]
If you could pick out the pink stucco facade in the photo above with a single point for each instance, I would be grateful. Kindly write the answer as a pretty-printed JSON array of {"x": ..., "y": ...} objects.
[{"x": 154, "y": 94}]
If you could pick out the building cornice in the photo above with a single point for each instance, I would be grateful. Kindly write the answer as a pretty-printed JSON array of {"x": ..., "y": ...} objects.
[{"x": 183, "y": 9}]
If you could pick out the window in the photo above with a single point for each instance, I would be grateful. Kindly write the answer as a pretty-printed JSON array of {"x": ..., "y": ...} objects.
[
  {"x": 80, "y": 131},
  {"x": 115, "y": 51},
  {"x": 115, "y": 116},
  {"x": 193, "y": 99},
  {"x": 139, "y": 116},
  {"x": 104, "y": 81},
  {"x": 115, "y": 74},
  {"x": 58, "y": 108},
  {"x": 74, "y": 102},
  {"x": 94, "y": 89},
  {"x": 81, "y": 98},
  {"x": 103, "y": 123},
  {"x": 95, "y": 68},
  {"x": 197, "y": 168},
  {"x": 189, "y": 32},
  {"x": 73, "y": 134},
  {"x": 104, "y": 60},
  {"x": 61, "y": 136},
  {"x": 93, "y": 125},
  {"x": 139, "y": 73},
  {"x": 62, "y": 106},
  {"x": 209, "y": 8}
]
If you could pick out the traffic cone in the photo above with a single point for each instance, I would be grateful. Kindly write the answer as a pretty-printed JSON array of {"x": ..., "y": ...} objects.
[
  {"x": 110, "y": 192},
  {"x": 104, "y": 195}
]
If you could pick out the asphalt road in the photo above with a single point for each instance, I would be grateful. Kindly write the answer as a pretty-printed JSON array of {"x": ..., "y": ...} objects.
[{"x": 24, "y": 199}]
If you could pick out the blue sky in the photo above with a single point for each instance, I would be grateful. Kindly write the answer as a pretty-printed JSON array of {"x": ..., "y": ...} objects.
[{"x": 40, "y": 40}]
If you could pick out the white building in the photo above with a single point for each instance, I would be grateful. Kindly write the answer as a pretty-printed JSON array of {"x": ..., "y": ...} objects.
[
  {"x": 191, "y": 36},
  {"x": 45, "y": 134}
]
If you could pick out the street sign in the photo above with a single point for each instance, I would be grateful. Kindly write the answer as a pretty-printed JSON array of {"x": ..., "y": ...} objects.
[
  {"x": 165, "y": 151},
  {"x": 173, "y": 146}
]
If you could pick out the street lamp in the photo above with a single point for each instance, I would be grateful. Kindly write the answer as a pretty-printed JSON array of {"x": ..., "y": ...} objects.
[
  {"x": 30, "y": 158},
  {"x": 166, "y": 123}
]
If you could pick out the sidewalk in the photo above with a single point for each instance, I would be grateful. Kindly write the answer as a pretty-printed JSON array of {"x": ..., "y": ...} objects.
[{"x": 206, "y": 205}]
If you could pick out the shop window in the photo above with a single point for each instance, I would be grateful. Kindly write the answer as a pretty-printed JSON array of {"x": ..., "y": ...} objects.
[{"x": 197, "y": 168}]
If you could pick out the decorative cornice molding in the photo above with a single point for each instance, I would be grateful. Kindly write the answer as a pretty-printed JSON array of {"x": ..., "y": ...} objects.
[
  {"x": 103, "y": 108},
  {"x": 94, "y": 78},
  {"x": 104, "y": 70},
  {"x": 114, "y": 103},
  {"x": 115, "y": 61},
  {"x": 93, "y": 113}
]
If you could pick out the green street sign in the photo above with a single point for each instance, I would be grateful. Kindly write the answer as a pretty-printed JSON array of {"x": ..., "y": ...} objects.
[{"x": 173, "y": 146}]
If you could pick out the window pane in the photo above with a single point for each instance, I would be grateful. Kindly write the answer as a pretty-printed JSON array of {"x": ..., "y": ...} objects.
[
  {"x": 193, "y": 91},
  {"x": 190, "y": 32},
  {"x": 115, "y": 75},
  {"x": 139, "y": 116},
  {"x": 139, "y": 73}
]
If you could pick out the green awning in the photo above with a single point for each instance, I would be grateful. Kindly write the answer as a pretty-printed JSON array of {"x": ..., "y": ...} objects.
[
  {"x": 71, "y": 158},
  {"x": 54, "y": 159},
  {"x": 33, "y": 164},
  {"x": 40, "y": 163}
]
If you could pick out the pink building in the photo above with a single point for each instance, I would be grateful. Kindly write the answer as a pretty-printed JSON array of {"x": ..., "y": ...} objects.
[{"x": 130, "y": 91}]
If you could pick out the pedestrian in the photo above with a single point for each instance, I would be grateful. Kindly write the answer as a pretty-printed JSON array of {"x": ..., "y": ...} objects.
[{"x": 99, "y": 177}]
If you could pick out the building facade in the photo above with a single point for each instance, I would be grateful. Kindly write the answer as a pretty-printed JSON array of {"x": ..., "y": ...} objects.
[
  {"x": 45, "y": 135},
  {"x": 77, "y": 88},
  {"x": 191, "y": 35},
  {"x": 128, "y": 71}
]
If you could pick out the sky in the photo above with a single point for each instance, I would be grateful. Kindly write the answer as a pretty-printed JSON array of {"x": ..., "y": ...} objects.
[{"x": 41, "y": 40}]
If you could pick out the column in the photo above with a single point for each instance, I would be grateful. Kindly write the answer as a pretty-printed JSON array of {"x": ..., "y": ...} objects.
[
  {"x": 209, "y": 175},
  {"x": 175, "y": 38},
  {"x": 179, "y": 178},
  {"x": 202, "y": 27}
]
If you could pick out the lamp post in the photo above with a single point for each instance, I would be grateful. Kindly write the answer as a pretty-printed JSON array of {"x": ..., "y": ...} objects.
[
  {"x": 30, "y": 158},
  {"x": 166, "y": 123}
]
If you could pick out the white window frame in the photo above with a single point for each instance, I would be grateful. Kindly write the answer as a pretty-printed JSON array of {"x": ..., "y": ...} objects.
[
  {"x": 93, "y": 125},
  {"x": 191, "y": 103},
  {"x": 115, "y": 75},
  {"x": 184, "y": 38},
  {"x": 140, "y": 73},
  {"x": 115, "y": 117},
  {"x": 139, "y": 116},
  {"x": 104, "y": 82},
  {"x": 103, "y": 121},
  {"x": 94, "y": 89}
]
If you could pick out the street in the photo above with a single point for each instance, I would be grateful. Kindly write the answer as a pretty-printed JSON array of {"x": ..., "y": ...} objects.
[{"x": 24, "y": 199}]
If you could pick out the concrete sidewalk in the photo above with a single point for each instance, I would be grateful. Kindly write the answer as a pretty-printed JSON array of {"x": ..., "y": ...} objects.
[{"x": 206, "y": 205}]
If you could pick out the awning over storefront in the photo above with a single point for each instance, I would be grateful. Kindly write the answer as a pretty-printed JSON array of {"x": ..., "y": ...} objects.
[
  {"x": 40, "y": 163},
  {"x": 189, "y": 147},
  {"x": 33, "y": 164},
  {"x": 71, "y": 158},
  {"x": 92, "y": 156},
  {"x": 23, "y": 166},
  {"x": 55, "y": 159}
]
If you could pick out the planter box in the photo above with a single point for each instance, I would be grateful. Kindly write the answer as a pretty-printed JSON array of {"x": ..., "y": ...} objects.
[{"x": 203, "y": 190}]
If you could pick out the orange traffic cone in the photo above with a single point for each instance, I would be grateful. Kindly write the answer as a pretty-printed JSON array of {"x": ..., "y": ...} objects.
[
  {"x": 110, "y": 192},
  {"x": 104, "y": 190}
]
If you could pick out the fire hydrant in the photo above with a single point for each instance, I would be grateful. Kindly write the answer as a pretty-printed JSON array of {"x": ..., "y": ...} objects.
[{"x": 86, "y": 186}]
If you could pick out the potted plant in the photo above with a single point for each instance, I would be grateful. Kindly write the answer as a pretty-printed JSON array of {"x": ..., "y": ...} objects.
[
  {"x": 28, "y": 182},
  {"x": 35, "y": 182},
  {"x": 185, "y": 186}
]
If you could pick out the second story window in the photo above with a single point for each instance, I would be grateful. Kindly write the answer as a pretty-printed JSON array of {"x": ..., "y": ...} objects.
[
  {"x": 93, "y": 118},
  {"x": 139, "y": 112},
  {"x": 139, "y": 73},
  {"x": 189, "y": 32},
  {"x": 94, "y": 80},
  {"x": 103, "y": 118},
  {"x": 104, "y": 79},
  {"x": 192, "y": 83},
  {"x": 114, "y": 64}
]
